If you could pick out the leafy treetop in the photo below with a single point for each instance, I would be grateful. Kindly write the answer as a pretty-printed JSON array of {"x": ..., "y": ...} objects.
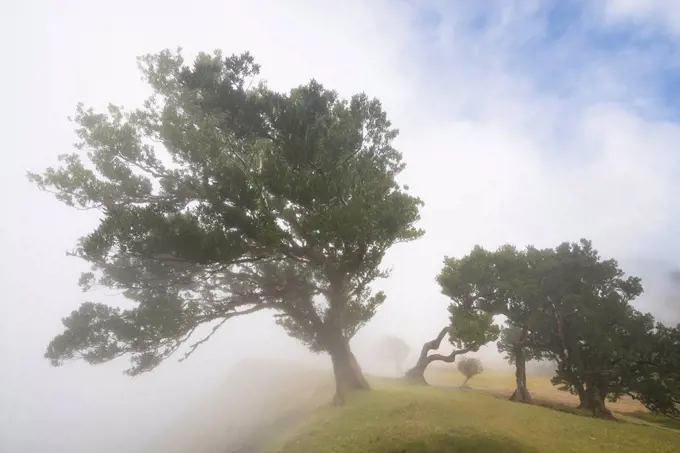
[
  {"x": 220, "y": 197},
  {"x": 573, "y": 307},
  {"x": 470, "y": 367}
]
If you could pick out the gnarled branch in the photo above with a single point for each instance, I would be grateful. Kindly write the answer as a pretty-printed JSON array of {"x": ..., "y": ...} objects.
[{"x": 417, "y": 373}]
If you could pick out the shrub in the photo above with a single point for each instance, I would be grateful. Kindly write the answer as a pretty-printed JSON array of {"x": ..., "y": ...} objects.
[{"x": 469, "y": 367}]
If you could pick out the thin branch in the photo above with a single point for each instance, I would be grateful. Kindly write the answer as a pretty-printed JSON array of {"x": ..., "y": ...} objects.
[
  {"x": 194, "y": 346},
  {"x": 448, "y": 358},
  {"x": 432, "y": 345}
]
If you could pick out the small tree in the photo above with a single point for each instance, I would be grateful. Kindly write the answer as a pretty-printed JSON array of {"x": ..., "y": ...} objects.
[
  {"x": 469, "y": 367},
  {"x": 219, "y": 199},
  {"x": 395, "y": 350}
]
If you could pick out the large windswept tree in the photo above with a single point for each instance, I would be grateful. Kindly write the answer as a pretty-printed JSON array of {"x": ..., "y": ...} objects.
[{"x": 220, "y": 198}]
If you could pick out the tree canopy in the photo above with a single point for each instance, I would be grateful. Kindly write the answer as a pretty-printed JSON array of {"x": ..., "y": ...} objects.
[
  {"x": 519, "y": 347},
  {"x": 571, "y": 306},
  {"x": 513, "y": 337},
  {"x": 393, "y": 349},
  {"x": 220, "y": 197},
  {"x": 654, "y": 374},
  {"x": 469, "y": 367}
]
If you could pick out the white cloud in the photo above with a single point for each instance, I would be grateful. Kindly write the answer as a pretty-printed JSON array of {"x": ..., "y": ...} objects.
[
  {"x": 495, "y": 158},
  {"x": 650, "y": 13}
]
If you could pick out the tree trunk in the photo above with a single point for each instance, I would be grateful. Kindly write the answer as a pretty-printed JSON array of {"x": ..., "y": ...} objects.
[
  {"x": 416, "y": 375},
  {"x": 346, "y": 369},
  {"x": 594, "y": 399},
  {"x": 600, "y": 410},
  {"x": 347, "y": 372},
  {"x": 582, "y": 395},
  {"x": 521, "y": 393}
]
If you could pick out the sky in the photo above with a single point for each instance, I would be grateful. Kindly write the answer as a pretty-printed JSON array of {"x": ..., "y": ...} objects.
[{"x": 522, "y": 121}]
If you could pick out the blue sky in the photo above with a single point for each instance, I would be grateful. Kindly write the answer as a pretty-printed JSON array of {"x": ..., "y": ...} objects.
[
  {"x": 522, "y": 121},
  {"x": 556, "y": 45}
]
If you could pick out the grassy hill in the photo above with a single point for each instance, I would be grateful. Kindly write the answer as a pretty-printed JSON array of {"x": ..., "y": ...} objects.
[
  {"x": 396, "y": 418},
  {"x": 284, "y": 406}
]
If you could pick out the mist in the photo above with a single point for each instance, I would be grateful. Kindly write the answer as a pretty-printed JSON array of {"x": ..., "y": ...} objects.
[{"x": 496, "y": 156}]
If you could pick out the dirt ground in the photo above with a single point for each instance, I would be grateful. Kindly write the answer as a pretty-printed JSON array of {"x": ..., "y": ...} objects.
[{"x": 502, "y": 383}]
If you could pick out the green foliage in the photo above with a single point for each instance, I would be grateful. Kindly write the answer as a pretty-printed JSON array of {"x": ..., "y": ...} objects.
[
  {"x": 219, "y": 199},
  {"x": 467, "y": 282},
  {"x": 571, "y": 306},
  {"x": 470, "y": 367},
  {"x": 471, "y": 330},
  {"x": 489, "y": 282},
  {"x": 653, "y": 374},
  {"x": 590, "y": 328},
  {"x": 510, "y": 338}
]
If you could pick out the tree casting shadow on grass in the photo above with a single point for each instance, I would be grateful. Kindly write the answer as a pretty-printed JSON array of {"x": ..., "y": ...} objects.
[{"x": 462, "y": 443}]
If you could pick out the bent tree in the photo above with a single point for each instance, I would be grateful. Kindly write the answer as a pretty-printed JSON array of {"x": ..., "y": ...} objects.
[
  {"x": 496, "y": 283},
  {"x": 470, "y": 327},
  {"x": 220, "y": 198},
  {"x": 468, "y": 331}
]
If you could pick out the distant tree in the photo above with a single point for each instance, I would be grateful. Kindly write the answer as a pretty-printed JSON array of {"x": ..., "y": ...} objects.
[
  {"x": 469, "y": 367},
  {"x": 394, "y": 350},
  {"x": 467, "y": 332},
  {"x": 219, "y": 199}
]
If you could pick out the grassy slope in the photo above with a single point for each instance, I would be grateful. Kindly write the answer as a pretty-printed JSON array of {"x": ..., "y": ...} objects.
[
  {"x": 502, "y": 383},
  {"x": 395, "y": 418}
]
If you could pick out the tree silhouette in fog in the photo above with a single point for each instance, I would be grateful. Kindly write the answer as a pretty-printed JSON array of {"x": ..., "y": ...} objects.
[{"x": 220, "y": 198}]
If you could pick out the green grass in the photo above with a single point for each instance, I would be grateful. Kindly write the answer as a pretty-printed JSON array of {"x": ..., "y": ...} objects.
[
  {"x": 660, "y": 420},
  {"x": 397, "y": 418}
]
